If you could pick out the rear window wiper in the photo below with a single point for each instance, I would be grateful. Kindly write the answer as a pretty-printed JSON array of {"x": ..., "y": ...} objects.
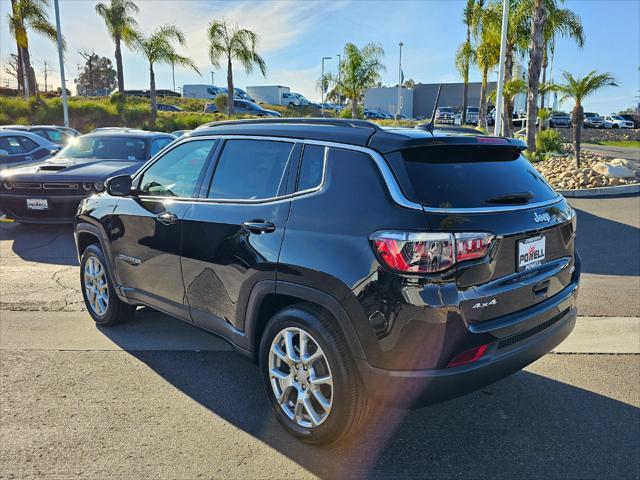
[{"x": 511, "y": 198}]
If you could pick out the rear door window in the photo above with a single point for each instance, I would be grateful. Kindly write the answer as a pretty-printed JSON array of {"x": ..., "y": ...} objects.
[
  {"x": 455, "y": 176},
  {"x": 312, "y": 168},
  {"x": 251, "y": 170}
]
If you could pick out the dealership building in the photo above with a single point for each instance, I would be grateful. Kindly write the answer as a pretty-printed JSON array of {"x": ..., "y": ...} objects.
[{"x": 418, "y": 102}]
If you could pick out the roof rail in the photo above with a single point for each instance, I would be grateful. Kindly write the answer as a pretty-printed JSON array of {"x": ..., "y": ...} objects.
[{"x": 335, "y": 122}]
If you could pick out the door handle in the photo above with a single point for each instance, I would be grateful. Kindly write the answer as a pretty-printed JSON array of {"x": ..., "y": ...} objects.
[
  {"x": 167, "y": 218},
  {"x": 259, "y": 226}
]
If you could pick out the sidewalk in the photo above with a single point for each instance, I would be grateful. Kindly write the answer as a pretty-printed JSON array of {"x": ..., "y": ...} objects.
[{"x": 603, "y": 335}]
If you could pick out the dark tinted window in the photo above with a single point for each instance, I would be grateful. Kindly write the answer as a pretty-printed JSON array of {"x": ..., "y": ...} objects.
[
  {"x": 311, "y": 168},
  {"x": 11, "y": 145},
  {"x": 27, "y": 144},
  {"x": 468, "y": 176},
  {"x": 158, "y": 144},
  {"x": 178, "y": 172},
  {"x": 250, "y": 170},
  {"x": 106, "y": 147}
]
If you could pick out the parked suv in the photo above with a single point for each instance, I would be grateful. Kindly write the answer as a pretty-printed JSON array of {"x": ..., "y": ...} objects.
[{"x": 354, "y": 264}]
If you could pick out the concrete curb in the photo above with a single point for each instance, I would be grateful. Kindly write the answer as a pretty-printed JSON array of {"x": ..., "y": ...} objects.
[{"x": 601, "y": 191}]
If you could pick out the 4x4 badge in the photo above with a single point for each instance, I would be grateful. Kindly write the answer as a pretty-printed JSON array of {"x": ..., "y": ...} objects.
[
  {"x": 485, "y": 304},
  {"x": 544, "y": 217}
]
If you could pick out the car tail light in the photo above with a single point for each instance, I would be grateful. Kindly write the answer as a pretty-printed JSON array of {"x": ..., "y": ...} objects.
[
  {"x": 429, "y": 252},
  {"x": 468, "y": 356},
  {"x": 470, "y": 246}
]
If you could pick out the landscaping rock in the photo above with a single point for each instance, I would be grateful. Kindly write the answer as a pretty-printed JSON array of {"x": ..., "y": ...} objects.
[
  {"x": 595, "y": 171},
  {"x": 614, "y": 171}
]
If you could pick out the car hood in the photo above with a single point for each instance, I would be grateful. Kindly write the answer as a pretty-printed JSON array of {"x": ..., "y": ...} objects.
[{"x": 66, "y": 169}]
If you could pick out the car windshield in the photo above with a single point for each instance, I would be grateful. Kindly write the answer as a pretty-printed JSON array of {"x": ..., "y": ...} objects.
[
  {"x": 617, "y": 117},
  {"x": 445, "y": 110},
  {"x": 589, "y": 114},
  {"x": 105, "y": 147},
  {"x": 473, "y": 109}
]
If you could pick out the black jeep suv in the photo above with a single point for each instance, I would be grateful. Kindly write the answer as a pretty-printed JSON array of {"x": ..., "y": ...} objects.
[{"x": 353, "y": 263}]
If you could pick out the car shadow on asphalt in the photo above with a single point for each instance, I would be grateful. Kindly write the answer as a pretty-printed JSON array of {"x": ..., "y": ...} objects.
[
  {"x": 526, "y": 425},
  {"x": 52, "y": 244},
  {"x": 607, "y": 247}
]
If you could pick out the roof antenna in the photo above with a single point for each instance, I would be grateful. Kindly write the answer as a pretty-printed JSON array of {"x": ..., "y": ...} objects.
[{"x": 430, "y": 125}]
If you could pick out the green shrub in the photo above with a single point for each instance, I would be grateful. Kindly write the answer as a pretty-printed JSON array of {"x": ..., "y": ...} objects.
[
  {"x": 346, "y": 112},
  {"x": 221, "y": 102},
  {"x": 548, "y": 141}
]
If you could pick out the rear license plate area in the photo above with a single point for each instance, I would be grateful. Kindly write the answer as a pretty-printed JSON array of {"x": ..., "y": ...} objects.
[{"x": 531, "y": 252}]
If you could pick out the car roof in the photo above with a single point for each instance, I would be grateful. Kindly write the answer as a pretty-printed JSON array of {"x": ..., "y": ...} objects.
[
  {"x": 5, "y": 132},
  {"x": 142, "y": 134},
  {"x": 353, "y": 132}
]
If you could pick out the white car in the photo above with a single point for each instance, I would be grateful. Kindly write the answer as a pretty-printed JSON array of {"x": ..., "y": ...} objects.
[
  {"x": 616, "y": 121},
  {"x": 294, "y": 99}
]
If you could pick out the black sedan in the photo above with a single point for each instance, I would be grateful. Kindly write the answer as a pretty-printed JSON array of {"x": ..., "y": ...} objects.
[{"x": 50, "y": 191}]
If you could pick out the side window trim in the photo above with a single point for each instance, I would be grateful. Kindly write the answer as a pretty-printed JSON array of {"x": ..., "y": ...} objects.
[{"x": 324, "y": 173}]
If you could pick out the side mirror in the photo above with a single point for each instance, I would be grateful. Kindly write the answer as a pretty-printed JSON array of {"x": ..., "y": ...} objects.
[
  {"x": 119, "y": 186},
  {"x": 4, "y": 153}
]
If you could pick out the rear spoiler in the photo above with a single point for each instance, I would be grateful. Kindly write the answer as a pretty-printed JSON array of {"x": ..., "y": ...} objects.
[{"x": 380, "y": 142}]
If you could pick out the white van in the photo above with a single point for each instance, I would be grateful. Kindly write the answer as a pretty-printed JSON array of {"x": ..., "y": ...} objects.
[{"x": 201, "y": 91}]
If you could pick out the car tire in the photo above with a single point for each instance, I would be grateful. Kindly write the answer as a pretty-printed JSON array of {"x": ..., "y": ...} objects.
[
  {"x": 99, "y": 295},
  {"x": 615, "y": 125},
  {"x": 348, "y": 402},
  {"x": 291, "y": 104}
]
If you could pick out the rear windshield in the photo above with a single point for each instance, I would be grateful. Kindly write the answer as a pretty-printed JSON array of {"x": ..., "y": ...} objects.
[
  {"x": 455, "y": 176},
  {"x": 105, "y": 147}
]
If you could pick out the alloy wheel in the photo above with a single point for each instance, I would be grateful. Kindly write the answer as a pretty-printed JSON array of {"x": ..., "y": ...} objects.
[
  {"x": 300, "y": 377},
  {"x": 96, "y": 286}
]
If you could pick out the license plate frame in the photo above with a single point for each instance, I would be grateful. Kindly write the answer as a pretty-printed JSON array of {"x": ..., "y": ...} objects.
[
  {"x": 39, "y": 204},
  {"x": 531, "y": 252}
]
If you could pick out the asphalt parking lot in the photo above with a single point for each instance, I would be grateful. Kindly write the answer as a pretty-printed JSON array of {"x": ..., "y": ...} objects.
[{"x": 159, "y": 399}]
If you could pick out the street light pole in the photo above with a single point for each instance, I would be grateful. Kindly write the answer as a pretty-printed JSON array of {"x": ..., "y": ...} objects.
[
  {"x": 212, "y": 78},
  {"x": 503, "y": 47},
  {"x": 339, "y": 67},
  {"x": 399, "y": 82},
  {"x": 63, "y": 83},
  {"x": 173, "y": 75},
  {"x": 322, "y": 86}
]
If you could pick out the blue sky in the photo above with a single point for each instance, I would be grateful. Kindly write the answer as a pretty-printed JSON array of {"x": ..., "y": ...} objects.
[{"x": 295, "y": 35}]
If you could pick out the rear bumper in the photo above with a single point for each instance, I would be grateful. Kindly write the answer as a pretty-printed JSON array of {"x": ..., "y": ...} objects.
[
  {"x": 517, "y": 342},
  {"x": 62, "y": 208}
]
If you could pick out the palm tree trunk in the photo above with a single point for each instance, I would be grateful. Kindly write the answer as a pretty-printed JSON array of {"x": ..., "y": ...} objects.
[
  {"x": 578, "y": 115},
  {"x": 152, "y": 95},
  {"x": 545, "y": 64},
  {"x": 230, "y": 90},
  {"x": 535, "y": 65},
  {"x": 482, "y": 108},
  {"x": 354, "y": 108},
  {"x": 119, "y": 69},
  {"x": 25, "y": 76}
]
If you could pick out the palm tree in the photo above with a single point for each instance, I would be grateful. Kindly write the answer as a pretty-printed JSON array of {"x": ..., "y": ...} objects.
[
  {"x": 563, "y": 22},
  {"x": 122, "y": 27},
  {"x": 538, "y": 18},
  {"x": 487, "y": 35},
  {"x": 29, "y": 15},
  {"x": 578, "y": 89},
  {"x": 547, "y": 21},
  {"x": 466, "y": 55},
  {"x": 360, "y": 69},
  {"x": 158, "y": 48},
  {"x": 232, "y": 43}
]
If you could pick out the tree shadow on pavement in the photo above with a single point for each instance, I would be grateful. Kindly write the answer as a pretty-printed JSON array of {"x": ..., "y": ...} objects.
[
  {"x": 526, "y": 425},
  {"x": 51, "y": 244},
  {"x": 607, "y": 247}
]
